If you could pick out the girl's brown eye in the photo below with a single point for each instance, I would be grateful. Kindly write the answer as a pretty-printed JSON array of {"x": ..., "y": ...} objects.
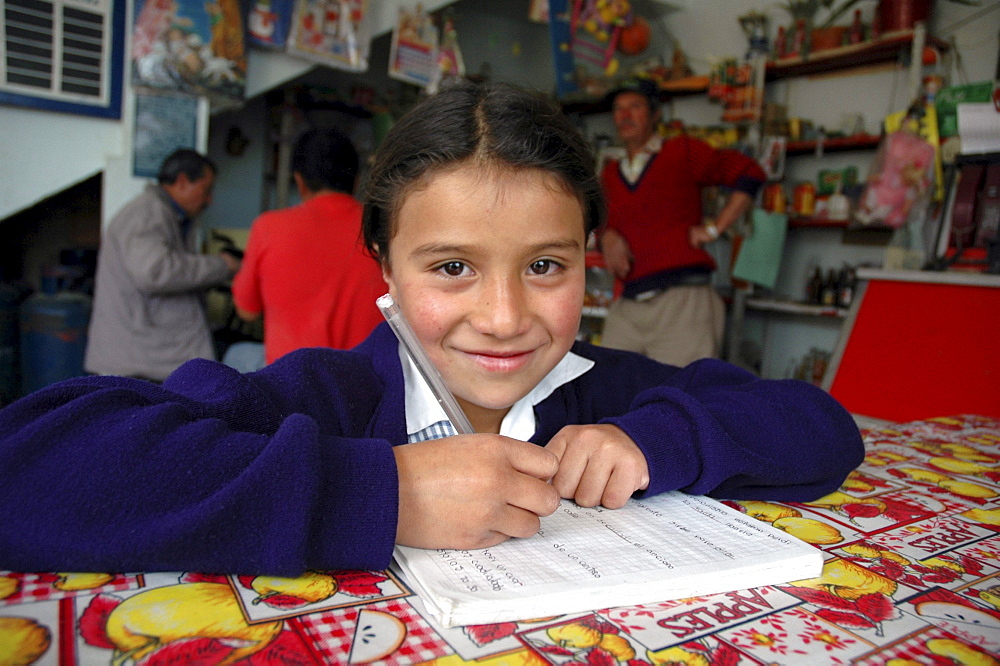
[
  {"x": 541, "y": 267},
  {"x": 453, "y": 268}
]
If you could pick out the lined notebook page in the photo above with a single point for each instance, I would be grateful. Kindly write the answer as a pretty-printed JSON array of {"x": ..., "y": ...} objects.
[{"x": 670, "y": 546}]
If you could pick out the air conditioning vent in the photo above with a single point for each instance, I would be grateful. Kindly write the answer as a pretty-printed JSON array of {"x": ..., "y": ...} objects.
[{"x": 58, "y": 50}]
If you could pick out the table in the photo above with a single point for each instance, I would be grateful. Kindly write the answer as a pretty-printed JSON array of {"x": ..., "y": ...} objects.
[{"x": 912, "y": 541}]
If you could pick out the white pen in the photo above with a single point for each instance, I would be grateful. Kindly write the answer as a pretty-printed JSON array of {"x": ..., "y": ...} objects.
[{"x": 390, "y": 310}]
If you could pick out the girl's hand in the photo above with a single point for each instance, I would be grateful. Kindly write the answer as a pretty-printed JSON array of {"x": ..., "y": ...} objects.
[
  {"x": 472, "y": 491},
  {"x": 598, "y": 464}
]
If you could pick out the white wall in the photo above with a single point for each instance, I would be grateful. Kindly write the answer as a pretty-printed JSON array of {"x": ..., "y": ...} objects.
[{"x": 42, "y": 152}]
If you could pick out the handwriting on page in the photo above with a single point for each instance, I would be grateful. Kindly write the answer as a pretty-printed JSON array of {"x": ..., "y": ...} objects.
[{"x": 573, "y": 544}]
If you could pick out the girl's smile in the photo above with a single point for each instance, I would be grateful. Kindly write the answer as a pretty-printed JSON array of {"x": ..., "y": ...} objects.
[{"x": 488, "y": 267}]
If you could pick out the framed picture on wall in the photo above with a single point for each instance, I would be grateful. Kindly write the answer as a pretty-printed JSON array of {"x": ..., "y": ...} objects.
[
  {"x": 164, "y": 122},
  {"x": 189, "y": 46}
]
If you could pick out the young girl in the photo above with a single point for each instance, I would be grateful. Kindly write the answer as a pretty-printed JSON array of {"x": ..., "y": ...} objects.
[{"x": 478, "y": 209}]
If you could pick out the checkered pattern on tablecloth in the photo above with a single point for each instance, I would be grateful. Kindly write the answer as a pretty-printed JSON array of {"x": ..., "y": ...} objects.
[
  {"x": 36, "y": 587},
  {"x": 331, "y": 633}
]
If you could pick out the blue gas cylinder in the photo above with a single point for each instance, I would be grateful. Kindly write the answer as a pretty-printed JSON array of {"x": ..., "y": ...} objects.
[
  {"x": 11, "y": 296},
  {"x": 53, "y": 326}
]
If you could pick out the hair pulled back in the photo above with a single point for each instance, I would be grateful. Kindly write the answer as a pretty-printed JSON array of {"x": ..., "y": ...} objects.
[{"x": 493, "y": 125}]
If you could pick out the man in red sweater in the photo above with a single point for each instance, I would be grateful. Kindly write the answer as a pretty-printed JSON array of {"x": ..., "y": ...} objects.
[
  {"x": 655, "y": 233},
  {"x": 305, "y": 268}
]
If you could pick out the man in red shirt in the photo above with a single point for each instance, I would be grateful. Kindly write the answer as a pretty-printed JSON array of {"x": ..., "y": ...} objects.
[
  {"x": 305, "y": 269},
  {"x": 655, "y": 233}
]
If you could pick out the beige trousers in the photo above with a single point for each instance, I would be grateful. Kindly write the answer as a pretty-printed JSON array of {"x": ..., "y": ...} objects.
[{"x": 678, "y": 326}]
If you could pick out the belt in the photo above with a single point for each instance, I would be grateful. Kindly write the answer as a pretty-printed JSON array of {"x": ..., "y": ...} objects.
[{"x": 684, "y": 280}]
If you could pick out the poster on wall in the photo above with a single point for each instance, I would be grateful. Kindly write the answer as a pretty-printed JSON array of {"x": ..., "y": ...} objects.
[
  {"x": 268, "y": 23},
  {"x": 413, "y": 54},
  {"x": 334, "y": 32},
  {"x": 189, "y": 46},
  {"x": 164, "y": 122}
]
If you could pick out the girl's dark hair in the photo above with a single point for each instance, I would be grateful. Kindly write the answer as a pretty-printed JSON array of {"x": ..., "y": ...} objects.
[{"x": 498, "y": 125}]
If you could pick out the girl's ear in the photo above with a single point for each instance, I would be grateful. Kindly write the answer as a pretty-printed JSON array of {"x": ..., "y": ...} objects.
[{"x": 386, "y": 270}]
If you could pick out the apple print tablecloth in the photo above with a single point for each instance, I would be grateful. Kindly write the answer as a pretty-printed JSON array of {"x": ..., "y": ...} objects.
[{"x": 912, "y": 576}]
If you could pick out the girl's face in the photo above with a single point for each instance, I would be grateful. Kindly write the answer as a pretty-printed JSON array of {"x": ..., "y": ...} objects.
[{"x": 488, "y": 267}]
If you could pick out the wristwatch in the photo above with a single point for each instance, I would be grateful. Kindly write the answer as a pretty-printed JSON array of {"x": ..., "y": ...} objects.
[{"x": 712, "y": 230}]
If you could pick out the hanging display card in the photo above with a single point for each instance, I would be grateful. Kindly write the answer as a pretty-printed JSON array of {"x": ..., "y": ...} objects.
[
  {"x": 268, "y": 23},
  {"x": 413, "y": 54},
  {"x": 333, "y": 32}
]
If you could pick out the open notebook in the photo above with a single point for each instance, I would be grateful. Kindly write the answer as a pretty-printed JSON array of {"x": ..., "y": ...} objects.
[{"x": 668, "y": 547}]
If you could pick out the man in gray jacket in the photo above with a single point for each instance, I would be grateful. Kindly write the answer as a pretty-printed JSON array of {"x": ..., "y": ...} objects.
[{"x": 149, "y": 312}]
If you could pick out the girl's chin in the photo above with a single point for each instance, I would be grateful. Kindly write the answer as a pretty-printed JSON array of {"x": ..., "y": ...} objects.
[
  {"x": 491, "y": 405},
  {"x": 494, "y": 402}
]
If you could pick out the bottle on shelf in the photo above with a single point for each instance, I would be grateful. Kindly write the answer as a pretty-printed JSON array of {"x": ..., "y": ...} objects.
[
  {"x": 814, "y": 288},
  {"x": 799, "y": 39},
  {"x": 828, "y": 295},
  {"x": 780, "y": 43},
  {"x": 856, "y": 33},
  {"x": 847, "y": 283},
  {"x": 838, "y": 206}
]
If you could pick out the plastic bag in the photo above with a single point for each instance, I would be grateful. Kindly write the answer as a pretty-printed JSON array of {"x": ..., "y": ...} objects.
[{"x": 901, "y": 176}]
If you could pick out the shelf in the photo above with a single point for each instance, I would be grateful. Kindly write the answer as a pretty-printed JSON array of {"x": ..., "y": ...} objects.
[
  {"x": 793, "y": 308},
  {"x": 800, "y": 222},
  {"x": 692, "y": 85},
  {"x": 834, "y": 145},
  {"x": 885, "y": 49}
]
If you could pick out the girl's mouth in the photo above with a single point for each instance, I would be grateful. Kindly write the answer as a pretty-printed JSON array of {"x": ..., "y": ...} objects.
[{"x": 500, "y": 361}]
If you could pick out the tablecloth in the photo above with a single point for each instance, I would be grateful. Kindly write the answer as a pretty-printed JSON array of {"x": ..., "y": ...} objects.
[{"x": 912, "y": 576}]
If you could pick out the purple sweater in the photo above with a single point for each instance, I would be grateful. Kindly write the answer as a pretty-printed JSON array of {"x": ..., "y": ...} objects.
[{"x": 291, "y": 467}]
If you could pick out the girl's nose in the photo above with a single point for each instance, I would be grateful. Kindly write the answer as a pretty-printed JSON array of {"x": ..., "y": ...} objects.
[{"x": 502, "y": 310}]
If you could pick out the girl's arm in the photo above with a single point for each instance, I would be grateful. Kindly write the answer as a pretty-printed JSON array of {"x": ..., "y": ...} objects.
[
  {"x": 710, "y": 428},
  {"x": 209, "y": 472},
  {"x": 715, "y": 429}
]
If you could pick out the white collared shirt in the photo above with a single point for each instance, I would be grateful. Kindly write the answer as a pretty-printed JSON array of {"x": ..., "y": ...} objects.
[
  {"x": 424, "y": 412},
  {"x": 632, "y": 168}
]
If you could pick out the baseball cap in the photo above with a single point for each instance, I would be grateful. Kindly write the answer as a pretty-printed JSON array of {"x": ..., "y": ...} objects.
[{"x": 645, "y": 87}]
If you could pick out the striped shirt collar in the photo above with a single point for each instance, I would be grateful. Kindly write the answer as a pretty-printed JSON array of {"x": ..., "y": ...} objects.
[{"x": 423, "y": 411}]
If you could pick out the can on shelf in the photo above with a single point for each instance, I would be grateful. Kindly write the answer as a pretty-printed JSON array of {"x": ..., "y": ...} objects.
[
  {"x": 804, "y": 199},
  {"x": 775, "y": 200}
]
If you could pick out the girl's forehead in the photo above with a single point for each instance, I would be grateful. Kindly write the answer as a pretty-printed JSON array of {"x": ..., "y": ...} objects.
[
  {"x": 491, "y": 185},
  {"x": 496, "y": 212},
  {"x": 487, "y": 174}
]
